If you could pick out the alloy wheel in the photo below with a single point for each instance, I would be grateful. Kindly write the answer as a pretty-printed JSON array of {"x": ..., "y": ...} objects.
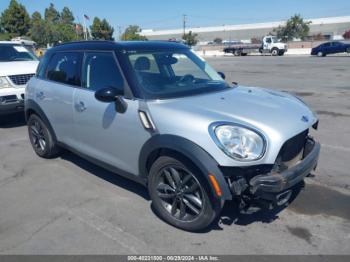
[
  {"x": 180, "y": 193},
  {"x": 38, "y": 135}
]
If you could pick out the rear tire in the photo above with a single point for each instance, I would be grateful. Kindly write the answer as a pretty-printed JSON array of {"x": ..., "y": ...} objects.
[
  {"x": 236, "y": 53},
  {"x": 41, "y": 138},
  {"x": 180, "y": 195},
  {"x": 348, "y": 50}
]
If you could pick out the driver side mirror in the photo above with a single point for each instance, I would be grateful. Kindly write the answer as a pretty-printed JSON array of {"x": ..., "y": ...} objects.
[
  {"x": 111, "y": 94},
  {"x": 222, "y": 75}
]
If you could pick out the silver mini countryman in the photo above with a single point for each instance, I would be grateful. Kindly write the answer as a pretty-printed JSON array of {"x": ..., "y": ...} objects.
[{"x": 157, "y": 113}]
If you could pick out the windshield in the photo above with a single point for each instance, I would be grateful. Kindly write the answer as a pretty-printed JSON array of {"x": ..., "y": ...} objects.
[
  {"x": 168, "y": 74},
  {"x": 10, "y": 53}
]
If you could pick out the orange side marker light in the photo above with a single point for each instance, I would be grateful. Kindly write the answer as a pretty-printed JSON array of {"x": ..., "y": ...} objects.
[{"x": 215, "y": 185}]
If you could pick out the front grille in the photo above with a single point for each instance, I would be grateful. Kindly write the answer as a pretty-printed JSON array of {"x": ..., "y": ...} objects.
[
  {"x": 21, "y": 79},
  {"x": 292, "y": 147}
]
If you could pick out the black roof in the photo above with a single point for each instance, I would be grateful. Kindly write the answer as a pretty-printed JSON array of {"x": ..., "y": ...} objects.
[{"x": 122, "y": 45}]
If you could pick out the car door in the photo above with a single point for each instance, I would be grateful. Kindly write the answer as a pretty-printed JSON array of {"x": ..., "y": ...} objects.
[
  {"x": 267, "y": 43},
  {"x": 100, "y": 131},
  {"x": 326, "y": 48},
  {"x": 55, "y": 94},
  {"x": 339, "y": 47}
]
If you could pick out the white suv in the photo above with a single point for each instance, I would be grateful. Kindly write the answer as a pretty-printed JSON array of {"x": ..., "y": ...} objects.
[{"x": 17, "y": 66}]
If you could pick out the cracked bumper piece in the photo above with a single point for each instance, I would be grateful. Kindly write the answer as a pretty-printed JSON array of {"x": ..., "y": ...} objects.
[{"x": 279, "y": 182}]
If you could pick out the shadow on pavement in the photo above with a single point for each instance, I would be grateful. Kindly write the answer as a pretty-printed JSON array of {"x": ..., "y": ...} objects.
[
  {"x": 230, "y": 214},
  {"x": 106, "y": 175},
  {"x": 13, "y": 120}
]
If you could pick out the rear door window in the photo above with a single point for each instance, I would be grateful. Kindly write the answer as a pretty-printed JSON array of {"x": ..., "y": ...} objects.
[{"x": 64, "y": 67}]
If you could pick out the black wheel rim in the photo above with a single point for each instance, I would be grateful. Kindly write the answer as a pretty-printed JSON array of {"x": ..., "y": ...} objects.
[
  {"x": 38, "y": 136},
  {"x": 180, "y": 193}
]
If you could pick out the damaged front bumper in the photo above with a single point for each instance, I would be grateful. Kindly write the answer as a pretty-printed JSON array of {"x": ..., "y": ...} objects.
[
  {"x": 279, "y": 182},
  {"x": 274, "y": 187}
]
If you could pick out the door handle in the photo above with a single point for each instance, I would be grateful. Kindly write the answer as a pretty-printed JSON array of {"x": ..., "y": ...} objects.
[
  {"x": 40, "y": 95},
  {"x": 80, "y": 107}
]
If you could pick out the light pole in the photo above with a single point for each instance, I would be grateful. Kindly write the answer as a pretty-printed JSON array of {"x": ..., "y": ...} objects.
[{"x": 184, "y": 18}]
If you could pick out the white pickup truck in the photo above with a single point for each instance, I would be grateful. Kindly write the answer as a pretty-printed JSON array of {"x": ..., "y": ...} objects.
[
  {"x": 270, "y": 44},
  {"x": 17, "y": 65}
]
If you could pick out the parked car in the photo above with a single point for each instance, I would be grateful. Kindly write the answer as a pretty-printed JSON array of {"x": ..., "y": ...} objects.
[
  {"x": 156, "y": 113},
  {"x": 17, "y": 66},
  {"x": 331, "y": 48}
]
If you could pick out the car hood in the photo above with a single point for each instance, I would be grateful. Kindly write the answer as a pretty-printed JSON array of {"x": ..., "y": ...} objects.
[
  {"x": 277, "y": 115},
  {"x": 18, "y": 67}
]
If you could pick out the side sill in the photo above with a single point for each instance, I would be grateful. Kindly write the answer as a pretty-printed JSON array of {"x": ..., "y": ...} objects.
[{"x": 136, "y": 178}]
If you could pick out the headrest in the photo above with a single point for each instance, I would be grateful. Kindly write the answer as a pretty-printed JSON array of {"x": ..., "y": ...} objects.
[{"x": 142, "y": 63}]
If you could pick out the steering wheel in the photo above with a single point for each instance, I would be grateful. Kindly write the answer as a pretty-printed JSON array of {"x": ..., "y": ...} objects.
[{"x": 185, "y": 79}]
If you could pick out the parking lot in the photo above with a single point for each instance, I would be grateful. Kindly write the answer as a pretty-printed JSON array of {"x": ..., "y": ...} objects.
[{"x": 69, "y": 206}]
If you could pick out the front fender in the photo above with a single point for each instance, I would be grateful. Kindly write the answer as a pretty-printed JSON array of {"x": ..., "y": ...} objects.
[{"x": 190, "y": 150}]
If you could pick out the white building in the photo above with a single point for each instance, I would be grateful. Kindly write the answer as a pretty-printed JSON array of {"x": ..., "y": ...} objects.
[{"x": 330, "y": 26}]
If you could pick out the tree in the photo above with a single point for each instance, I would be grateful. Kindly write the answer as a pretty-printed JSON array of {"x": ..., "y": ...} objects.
[
  {"x": 295, "y": 27},
  {"x": 38, "y": 29},
  {"x": 51, "y": 14},
  {"x": 217, "y": 40},
  {"x": 190, "y": 38},
  {"x": 66, "y": 27},
  {"x": 15, "y": 19},
  {"x": 67, "y": 16},
  {"x": 101, "y": 29},
  {"x": 346, "y": 35},
  {"x": 95, "y": 28},
  {"x": 132, "y": 33}
]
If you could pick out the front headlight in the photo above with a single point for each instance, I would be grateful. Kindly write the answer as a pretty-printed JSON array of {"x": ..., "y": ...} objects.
[
  {"x": 240, "y": 143},
  {"x": 4, "y": 83}
]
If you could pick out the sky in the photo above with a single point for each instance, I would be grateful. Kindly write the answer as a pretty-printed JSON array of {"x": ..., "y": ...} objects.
[{"x": 165, "y": 14}]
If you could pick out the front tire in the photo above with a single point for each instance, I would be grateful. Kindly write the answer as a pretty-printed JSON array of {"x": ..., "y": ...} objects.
[
  {"x": 180, "y": 195},
  {"x": 274, "y": 52},
  {"x": 41, "y": 138},
  {"x": 320, "y": 54}
]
